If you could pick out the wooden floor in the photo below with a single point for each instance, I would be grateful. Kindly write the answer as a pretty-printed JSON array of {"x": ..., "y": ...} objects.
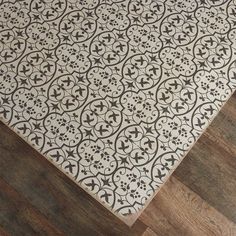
[{"x": 199, "y": 199}]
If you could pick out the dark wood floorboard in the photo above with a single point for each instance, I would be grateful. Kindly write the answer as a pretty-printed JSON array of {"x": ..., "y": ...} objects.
[
  {"x": 24, "y": 217},
  {"x": 178, "y": 211},
  {"x": 211, "y": 164},
  {"x": 62, "y": 202},
  {"x": 200, "y": 198}
]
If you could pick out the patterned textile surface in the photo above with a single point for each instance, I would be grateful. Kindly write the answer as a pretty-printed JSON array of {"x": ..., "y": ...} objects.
[{"x": 115, "y": 92}]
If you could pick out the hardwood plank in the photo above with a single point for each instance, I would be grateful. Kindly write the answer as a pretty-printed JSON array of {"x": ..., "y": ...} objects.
[
  {"x": 3, "y": 232},
  {"x": 223, "y": 129},
  {"x": 210, "y": 165},
  {"x": 210, "y": 171},
  {"x": 149, "y": 232},
  {"x": 177, "y": 210},
  {"x": 17, "y": 216},
  {"x": 210, "y": 168},
  {"x": 66, "y": 205}
]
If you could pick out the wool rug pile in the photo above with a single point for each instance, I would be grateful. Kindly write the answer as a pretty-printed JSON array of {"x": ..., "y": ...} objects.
[{"x": 115, "y": 92}]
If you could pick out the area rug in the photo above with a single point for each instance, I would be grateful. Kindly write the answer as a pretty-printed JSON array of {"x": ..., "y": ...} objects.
[{"x": 113, "y": 92}]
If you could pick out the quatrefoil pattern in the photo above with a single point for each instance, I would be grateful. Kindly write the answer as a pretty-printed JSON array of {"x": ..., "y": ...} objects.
[{"x": 115, "y": 92}]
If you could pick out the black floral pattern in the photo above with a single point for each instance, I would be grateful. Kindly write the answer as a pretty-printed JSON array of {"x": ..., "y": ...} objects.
[{"x": 115, "y": 92}]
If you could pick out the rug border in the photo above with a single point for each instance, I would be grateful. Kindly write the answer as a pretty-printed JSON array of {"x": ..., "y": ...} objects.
[
  {"x": 130, "y": 219},
  {"x": 178, "y": 163}
]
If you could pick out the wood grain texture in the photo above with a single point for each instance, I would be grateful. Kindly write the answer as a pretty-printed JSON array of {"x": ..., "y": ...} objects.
[
  {"x": 22, "y": 214},
  {"x": 200, "y": 198},
  {"x": 3, "y": 232},
  {"x": 149, "y": 232},
  {"x": 184, "y": 213},
  {"x": 52, "y": 193},
  {"x": 211, "y": 164}
]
